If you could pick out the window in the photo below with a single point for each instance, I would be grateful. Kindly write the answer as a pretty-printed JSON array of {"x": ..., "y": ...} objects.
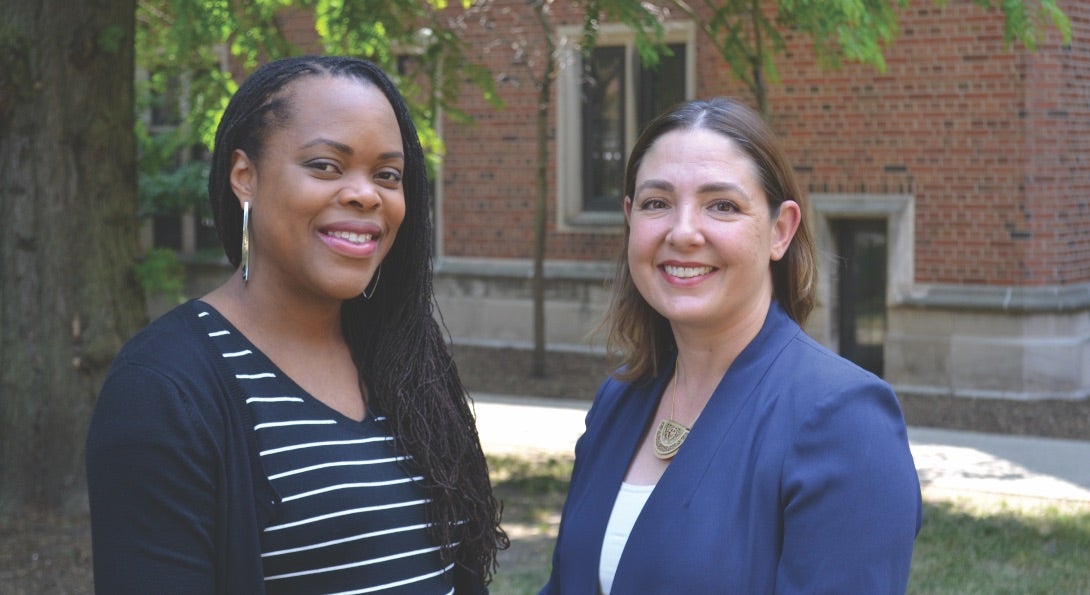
[
  {"x": 603, "y": 102},
  {"x": 173, "y": 178}
]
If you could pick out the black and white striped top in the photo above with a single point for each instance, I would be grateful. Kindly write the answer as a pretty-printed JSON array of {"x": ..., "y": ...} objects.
[{"x": 351, "y": 518}]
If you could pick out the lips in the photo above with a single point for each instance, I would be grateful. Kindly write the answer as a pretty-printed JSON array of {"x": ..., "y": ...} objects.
[{"x": 355, "y": 239}]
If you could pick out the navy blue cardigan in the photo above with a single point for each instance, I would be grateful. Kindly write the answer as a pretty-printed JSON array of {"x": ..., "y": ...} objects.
[
  {"x": 177, "y": 492},
  {"x": 796, "y": 478}
]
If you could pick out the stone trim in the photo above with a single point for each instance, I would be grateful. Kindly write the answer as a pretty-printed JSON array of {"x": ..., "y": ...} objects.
[
  {"x": 1047, "y": 298},
  {"x": 985, "y": 394},
  {"x": 523, "y": 268}
]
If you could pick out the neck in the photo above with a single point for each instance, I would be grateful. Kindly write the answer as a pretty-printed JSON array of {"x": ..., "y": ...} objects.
[
  {"x": 262, "y": 311},
  {"x": 704, "y": 354}
]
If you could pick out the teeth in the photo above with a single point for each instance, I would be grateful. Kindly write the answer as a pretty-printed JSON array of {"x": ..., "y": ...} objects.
[
  {"x": 687, "y": 272},
  {"x": 355, "y": 238}
]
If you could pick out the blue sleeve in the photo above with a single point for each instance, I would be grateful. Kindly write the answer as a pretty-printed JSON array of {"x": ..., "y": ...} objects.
[
  {"x": 852, "y": 506},
  {"x": 152, "y": 476}
]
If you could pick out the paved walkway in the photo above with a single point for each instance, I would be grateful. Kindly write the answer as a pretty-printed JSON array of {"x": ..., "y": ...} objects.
[{"x": 951, "y": 464}]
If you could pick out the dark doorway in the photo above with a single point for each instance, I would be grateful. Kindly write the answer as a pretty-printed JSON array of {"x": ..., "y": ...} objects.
[{"x": 861, "y": 246}]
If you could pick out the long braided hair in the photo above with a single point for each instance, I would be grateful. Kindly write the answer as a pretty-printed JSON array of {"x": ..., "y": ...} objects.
[{"x": 397, "y": 345}]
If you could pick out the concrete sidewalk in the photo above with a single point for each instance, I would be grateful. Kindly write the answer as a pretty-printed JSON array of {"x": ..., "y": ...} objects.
[{"x": 988, "y": 468}]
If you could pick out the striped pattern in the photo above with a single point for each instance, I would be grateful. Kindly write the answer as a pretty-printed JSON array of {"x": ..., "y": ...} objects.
[{"x": 351, "y": 519}]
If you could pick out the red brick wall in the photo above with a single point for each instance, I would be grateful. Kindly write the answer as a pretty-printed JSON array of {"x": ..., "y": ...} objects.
[
  {"x": 991, "y": 141},
  {"x": 1058, "y": 155},
  {"x": 986, "y": 138},
  {"x": 489, "y": 173},
  {"x": 944, "y": 122}
]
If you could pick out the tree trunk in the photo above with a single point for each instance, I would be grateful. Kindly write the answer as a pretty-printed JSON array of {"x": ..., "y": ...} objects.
[
  {"x": 537, "y": 365},
  {"x": 760, "y": 90},
  {"x": 68, "y": 295}
]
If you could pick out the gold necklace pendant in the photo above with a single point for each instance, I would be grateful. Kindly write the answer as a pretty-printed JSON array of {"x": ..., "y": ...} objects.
[
  {"x": 670, "y": 434},
  {"x": 668, "y": 438}
]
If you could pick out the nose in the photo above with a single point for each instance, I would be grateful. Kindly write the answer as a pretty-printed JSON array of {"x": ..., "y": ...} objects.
[
  {"x": 359, "y": 191},
  {"x": 686, "y": 229}
]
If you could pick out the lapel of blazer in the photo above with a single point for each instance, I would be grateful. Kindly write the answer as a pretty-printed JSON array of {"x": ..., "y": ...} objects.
[
  {"x": 734, "y": 394},
  {"x": 616, "y": 431}
]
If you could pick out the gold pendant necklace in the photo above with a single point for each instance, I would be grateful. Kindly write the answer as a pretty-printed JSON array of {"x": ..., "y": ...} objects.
[{"x": 670, "y": 434}]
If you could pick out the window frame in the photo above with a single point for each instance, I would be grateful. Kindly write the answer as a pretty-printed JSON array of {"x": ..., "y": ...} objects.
[
  {"x": 899, "y": 212},
  {"x": 570, "y": 216}
]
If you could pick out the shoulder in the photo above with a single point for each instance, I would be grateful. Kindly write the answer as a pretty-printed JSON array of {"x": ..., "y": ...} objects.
[
  {"x": 614, "y": 393},
  {"x": 806, "y": 360},
  {"x": 618, "y": 403},
  {"x": 822, "y": 389},
  {"x": 167, "y": 359},
  {"x": 164, "y": 337},
  {"x": 173, "y": 345},
  {"x": 164, "y": 386},
  {"x": 832, "y": 401},
  {"x": 788, "y": 357}
]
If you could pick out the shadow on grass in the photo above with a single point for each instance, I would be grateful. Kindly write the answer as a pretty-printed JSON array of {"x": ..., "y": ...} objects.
[
  {"x": 532, "y": 491},
  {"x": 963, "y": 551}
]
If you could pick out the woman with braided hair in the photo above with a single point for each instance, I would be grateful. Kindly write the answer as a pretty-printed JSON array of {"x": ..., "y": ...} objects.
[{"x": 302, "y": 428}]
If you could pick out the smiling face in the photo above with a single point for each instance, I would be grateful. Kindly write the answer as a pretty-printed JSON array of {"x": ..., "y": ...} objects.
[
  {"x": 701, "y": 237},
  {"x": 326, "y": 192}
]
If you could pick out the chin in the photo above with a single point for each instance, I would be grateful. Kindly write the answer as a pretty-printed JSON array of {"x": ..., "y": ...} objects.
[{"x": 344, "y": 291}]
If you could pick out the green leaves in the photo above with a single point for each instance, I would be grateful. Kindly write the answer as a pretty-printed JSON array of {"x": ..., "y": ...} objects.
[
  {"x": 160, "y": 272},
  {"x": 185, "y": 50},
  {"x": 749, "y": 33}
]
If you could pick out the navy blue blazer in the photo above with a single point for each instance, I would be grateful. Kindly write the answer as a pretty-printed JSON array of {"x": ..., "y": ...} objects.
[{"x": 796, "y": 478}]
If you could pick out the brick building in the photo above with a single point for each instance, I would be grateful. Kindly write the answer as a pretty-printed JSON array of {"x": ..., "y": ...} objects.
[
  {"x": 956, "y": 185},
  {"x": 950, "y": 194}
]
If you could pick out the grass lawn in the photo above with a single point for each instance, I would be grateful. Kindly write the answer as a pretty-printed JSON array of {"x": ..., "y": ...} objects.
[{"x": 962, "y": 549}]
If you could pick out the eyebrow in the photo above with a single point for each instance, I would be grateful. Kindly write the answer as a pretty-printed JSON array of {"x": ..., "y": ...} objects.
[
  {"x": 341, "y": 147},
  {"x": 347, "y": 150},
  {"x": 710, "y": 187}
]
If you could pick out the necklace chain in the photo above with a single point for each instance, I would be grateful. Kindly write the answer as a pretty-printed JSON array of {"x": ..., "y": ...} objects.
[{"x": 670, "y": 434}]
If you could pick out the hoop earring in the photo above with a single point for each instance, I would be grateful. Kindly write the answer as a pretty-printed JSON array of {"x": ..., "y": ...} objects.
[
  {"x": 245, "y": 241},
  {"x": 373, "y": 285}
]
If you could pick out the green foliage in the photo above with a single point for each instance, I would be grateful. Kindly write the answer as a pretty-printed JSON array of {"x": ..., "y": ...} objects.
[
  {"x": 644, "y": 18},
  {"x": 194, "y": 42},
  {"x": 749, "y": 36},
  {"x": 852, "y": 30},
  {"x": 160, "y": 272},
  {"x": 174, "y": 191},
  {"x": 1027, "y": 20}
]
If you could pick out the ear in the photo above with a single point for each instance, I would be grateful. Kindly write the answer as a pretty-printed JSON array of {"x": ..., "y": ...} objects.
[
  {"x": 243, "y": 175},
  {"x": 627, "y": 207},
  {"x": 788, "y": 218}
]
